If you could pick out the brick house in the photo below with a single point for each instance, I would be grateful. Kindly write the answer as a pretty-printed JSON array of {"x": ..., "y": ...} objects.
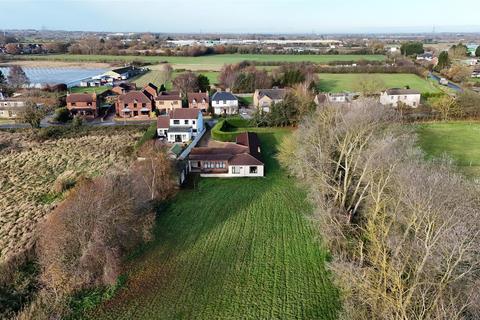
[
  {"x": 198, "y": 100},
  {"x": 167, "y": 101},
  {"x": 83, "y": 104},
  {"x": 134, "y": 104}
]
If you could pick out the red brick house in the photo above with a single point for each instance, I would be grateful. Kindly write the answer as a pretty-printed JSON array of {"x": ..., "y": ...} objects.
[
  {"x": 198, "y": 100},
  {"x": 123, "y": 88},
  {"x": 151, "y": 91},
  {"x": 134, "y": 104},
  {"x": 83, "y": 105}
]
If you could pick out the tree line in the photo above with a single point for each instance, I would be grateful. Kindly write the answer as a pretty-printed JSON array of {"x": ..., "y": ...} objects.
[{"x": 403, "y": 232}]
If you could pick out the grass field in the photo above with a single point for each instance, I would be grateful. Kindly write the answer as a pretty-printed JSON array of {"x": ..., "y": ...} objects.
[
  {"x": 30, "y": 168},
  {"x": 155, "y": 77},
  {"x": 212, "y": 62},
  {"x": 231, "y": 249},
  {"x": 98, "y": 90},
  {"x": 459, "y": 140},
  {"x": 332, "y": 82}
]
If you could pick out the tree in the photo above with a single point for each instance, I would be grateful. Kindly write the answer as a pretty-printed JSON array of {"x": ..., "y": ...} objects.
[
  {"x": 17, "y": 77},
  {"x": 62, "y": 115},
  {"x": 458, "y": 73},
  {"x": 32, "y": 114},
  {"x": 203, "y": 83},
  {"x": 369, "y": 85},
  {"x": 186, "y": 82},
  {"x": 446, "y": 106},
  {"x": 12, "y": 48},
  {"x": 477, "y": 52},
  {"x": 469, "y": 103},
  {"x": 411, "y": 48},
  {"x": 3, "y": 80},
  {"x": 443, "y": 60},
  {"x": 458, "y": 51}
]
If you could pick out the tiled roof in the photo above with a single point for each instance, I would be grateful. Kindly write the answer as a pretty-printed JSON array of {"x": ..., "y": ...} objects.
[
  {"x": 134, "y": 96},
  {"x": 81, "y": 97},
  {"x": 220, "y": 96},
  {"x": 274, "y": 94},
  {"x": 197, "y": 96},
  {"x": 184, "y": 113},
  {"x": 163, "y": 122},
  {"x": 398, "y": 91}
]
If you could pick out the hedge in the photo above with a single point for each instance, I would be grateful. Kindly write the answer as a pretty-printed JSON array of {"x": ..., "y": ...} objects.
[{"x": 221, "y": 131}]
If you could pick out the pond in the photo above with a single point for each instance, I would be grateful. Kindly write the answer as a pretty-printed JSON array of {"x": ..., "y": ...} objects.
[{"x": 71, "y": 76}]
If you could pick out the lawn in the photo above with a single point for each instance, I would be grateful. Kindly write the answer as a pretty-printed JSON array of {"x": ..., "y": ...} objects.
[
  {"x": 459, "y": 140},
  {"x": 332, "y": 82},
  {"x": 231, "y": 249},
  {"x": 211, "y": 62},
  {"x": 97, "y": 90}
]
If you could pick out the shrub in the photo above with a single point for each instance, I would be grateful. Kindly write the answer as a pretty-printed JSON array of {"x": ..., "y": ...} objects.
[
  {"x": 62, "y": 115},
  {"x": 64, "y": 181},
  {"x": 222, "y": 131}
]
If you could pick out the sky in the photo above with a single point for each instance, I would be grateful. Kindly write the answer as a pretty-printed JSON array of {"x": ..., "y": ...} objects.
[{"x": 243, "y": 16}]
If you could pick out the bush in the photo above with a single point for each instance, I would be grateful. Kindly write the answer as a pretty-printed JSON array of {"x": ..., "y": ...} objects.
[
  {"x": 65, "y": 181},
  {"x": 62, "y": 115}
]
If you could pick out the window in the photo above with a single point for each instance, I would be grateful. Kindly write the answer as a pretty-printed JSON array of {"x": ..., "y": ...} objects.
[
  {"x": 134, "y": 105},
  {"x": 193, "y": 121},
  {"x": 175, "y": 102},
  {"x": 89, "y": 104},
  {"x": 73, "y": 104},
  {"x": 236, "y": 170},
  {"x": 253, "y": 170},
  {"x": 176, "y": 121},
  {"x": 185, "y": 121},
  {"x": 161, "y": 103},
  {"x": 391, "y": 97}
]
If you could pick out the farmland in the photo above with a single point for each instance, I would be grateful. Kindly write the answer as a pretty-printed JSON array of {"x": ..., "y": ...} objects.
[
  {"x": 229, "y": 249},
  {"x": 211, "y": 62},
  {"x": 459, "y": 140},
  {"x": 330, "y": 82},
  {"x": 30, "y": 168},
  {"x": 155, "y": 76}
]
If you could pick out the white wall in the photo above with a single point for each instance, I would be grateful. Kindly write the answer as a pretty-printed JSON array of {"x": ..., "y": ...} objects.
[
  {"x": 186, "y": 136},
  {"x": 412, "y": 100},
  {"x": 244, "y": 172}
]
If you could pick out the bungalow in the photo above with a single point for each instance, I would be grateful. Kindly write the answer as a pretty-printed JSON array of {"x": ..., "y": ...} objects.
[
  {"x": 181, "y": 125},
  {"x": 198, "y": 100},
  {"x": 265, "y": 98},
  {"x": 10, "y": 108},
  {"x": 134, "y": 104},
  {"x": 168, "y": 101},
  {"x": 83, "y": 105},
  {"x": 392, "y": 97},
  {"x": 224, "y": 103},
  {"x": 240, "y": 159}
]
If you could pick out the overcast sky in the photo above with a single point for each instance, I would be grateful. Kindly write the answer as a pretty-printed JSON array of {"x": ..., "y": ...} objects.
[{"x": 243, "y": 16}]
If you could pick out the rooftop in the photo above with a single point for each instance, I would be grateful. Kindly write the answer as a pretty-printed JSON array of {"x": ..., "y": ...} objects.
[
  {"x": 398, "y": 92},
  {"x": 222, "y": 95}
]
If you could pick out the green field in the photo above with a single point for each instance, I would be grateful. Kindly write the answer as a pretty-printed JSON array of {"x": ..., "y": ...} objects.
[
  {"x": 231, "y": 249},
  {"x": 155, "y": 76},
  {"x": 208, "y": 62},
  {"x": 459, "y": 140},
  {"x": 98, "y": 90},
  {"x": 334, "y": 82}
]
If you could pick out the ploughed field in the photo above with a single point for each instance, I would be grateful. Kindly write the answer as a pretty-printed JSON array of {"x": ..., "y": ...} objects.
[
  {"x": 210, "y": 62},
  {"x": 231, "y": 249},
  {"x": 458, "y": 140},
  {"x": 336, "y": 82},
  {"x": 29, "y": 171}
]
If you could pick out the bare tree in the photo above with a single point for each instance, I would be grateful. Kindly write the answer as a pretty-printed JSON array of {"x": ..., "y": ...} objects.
[
  {"x": 17, "y": 77},
  {"x": 186, "y": 82}
]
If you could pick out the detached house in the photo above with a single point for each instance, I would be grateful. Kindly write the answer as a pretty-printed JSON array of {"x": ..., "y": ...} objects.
[
  {"x": 83, "y": 105},
  {"x": 240, "y": 159},
  {"x": 224, "y": 103},
  {"x": 134, "y": 104},
  {"x": 181, "y": 125},
  {"x": 167, "y": 101},
  {"x": 10, "y": 108},
  {"x": 265, "y": 98},
  {"x": 392, "y": 97},
  {"x": 198, "y": 100}
]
